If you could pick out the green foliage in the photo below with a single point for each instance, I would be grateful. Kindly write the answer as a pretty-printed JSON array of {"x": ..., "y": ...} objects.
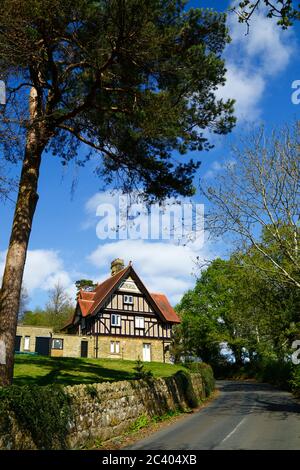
[
  {"x": 139, "y": 423},
  {"x": 58, "y": 311},
  {"x": 184, "y": 382},
  {"x": 278, "y": 373},
  {"x": 85, "y": 284},
  {"x": 140, "y": 372},
  {"x": 295, "y": 380},
  {"x": 207, "y": 375},
  {"x": 121, "y": 84},
  {"x": 47, "y": 318},
  {"x": 165, "y": 416},
  {"x": 42, "y": 370},
  {"x": 44, "y": 412},
  {"x": 285, "y": 11},
  {"x": 91, "y": 391},
  {"x": 234, "y": 303}
]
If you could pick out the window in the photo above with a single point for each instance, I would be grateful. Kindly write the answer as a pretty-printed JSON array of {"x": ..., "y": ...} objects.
[
  {"x": 115, "y": 347},
  {"x": 27, "y": 343},
  {"x": 128, "y": 299},
  {"x": 115, "y": 320},
  {"x": 139, "y": 322},
  {"x": 57, "y": 343}
]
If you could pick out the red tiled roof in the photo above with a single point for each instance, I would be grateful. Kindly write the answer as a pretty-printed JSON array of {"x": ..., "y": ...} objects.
[
  {"x": 90, "y": 301},
  {"x": 86, "y": 295},
  {"x": 165, "y": 307},
  {"x": 102, "y": 290},
  {"x": 85, "y": 306}
]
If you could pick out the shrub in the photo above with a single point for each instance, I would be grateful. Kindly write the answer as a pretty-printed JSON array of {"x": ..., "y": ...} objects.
[
  {"x": 44, "y": 412},
  {"x": 140, "y": 372},
  {"x": 206, "y": 373},
  {"x": 295, "y": 380},
  {"x": 139, "y": 423},
  {"x": 183, "y": 379},
  {"x": 278, "y": 373}
]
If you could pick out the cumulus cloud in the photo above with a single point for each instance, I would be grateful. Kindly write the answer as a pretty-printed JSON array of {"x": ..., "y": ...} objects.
[
  {"x": 163, "y": 267},
  {"x": 43, "y": 269},
  {"x": 251, "y": 59}
]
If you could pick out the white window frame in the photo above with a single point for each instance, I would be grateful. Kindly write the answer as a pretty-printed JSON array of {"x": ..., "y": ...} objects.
[
  {"x": 128, "y": 299},
  {"x": 139, "y": 322},
  {"x": 61, "y": 344},
  {"x": 115, "y": 320},
  {"x": 26, "y": 343},
  {"x": 115, "y": 347}
]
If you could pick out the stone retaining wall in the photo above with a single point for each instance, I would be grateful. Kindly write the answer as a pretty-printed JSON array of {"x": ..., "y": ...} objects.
[{"x": 105, "y": 410}]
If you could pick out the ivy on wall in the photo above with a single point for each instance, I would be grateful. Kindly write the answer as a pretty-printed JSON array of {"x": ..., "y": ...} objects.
[{"x": 44, "y": 412}]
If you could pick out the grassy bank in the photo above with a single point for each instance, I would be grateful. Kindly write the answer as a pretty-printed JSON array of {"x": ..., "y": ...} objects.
[{"x": 43, "y": 370}]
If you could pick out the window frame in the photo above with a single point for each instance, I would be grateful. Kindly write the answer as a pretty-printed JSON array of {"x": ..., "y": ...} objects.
[
  {"x": 115, "y": 347},
  {"x": 61, "y": 342},
  {"x": 137, "y": 320},
  {"x": 114, "y": 316},
  {"x": 26, "y": 338},
  {"x": 127, "y": 300}
]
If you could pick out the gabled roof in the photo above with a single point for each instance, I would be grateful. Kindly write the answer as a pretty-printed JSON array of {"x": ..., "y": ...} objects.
[
  {"x": 165, "y": 307},
  {"x": 89, "y": 303}
]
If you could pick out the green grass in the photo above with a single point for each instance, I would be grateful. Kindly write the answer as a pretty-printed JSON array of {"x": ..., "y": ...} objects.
[{"x": 43, "y": 370}]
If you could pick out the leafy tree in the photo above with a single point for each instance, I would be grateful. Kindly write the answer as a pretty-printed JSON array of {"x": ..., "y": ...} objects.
[
  {"x": 235, "y": 303},
  {"x": 132, "y": 80},
  {"x": 256, "y": 200},
  {"x": 85, "y": 284},
  {"x": 286, "y": 11},
  {"x": 59, "y": 309}
]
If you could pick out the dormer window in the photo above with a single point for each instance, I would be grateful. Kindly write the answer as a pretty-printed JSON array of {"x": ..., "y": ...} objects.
[{"x": 128, "y": 299}]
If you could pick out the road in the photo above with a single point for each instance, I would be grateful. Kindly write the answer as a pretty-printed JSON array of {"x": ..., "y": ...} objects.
[{"x": 244, "y": 416}]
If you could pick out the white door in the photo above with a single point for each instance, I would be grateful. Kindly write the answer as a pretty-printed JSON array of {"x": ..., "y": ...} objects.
[{"x": 146, "y": 352}]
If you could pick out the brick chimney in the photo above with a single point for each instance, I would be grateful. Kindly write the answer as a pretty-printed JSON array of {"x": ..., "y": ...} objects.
[{"x": 116, "y": 266}]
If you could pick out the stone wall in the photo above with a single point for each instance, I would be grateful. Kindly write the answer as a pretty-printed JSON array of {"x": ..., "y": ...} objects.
[
  {"x": 71, "y": 343},
  {"x": 102, "y": 411},
  {"x": 132, "y": 348}
]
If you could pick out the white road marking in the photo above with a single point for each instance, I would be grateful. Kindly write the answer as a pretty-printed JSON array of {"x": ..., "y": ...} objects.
[{"x": 234, "y": 430}]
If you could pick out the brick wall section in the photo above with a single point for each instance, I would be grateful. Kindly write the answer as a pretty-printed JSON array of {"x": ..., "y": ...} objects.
[{"x": 112, "y": 408}]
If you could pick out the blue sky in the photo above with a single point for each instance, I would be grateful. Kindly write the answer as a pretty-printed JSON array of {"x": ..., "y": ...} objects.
[{"x": 64, "y": 246}]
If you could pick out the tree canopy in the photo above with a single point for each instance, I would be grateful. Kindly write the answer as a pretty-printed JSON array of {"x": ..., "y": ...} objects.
[{"x": 132, "y": 79}]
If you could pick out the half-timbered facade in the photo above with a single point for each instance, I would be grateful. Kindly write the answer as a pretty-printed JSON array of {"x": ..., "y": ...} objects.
[{"x": 124, "y": 319}]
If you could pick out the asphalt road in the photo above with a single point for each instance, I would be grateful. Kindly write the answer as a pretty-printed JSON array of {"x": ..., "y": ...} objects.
[{"x": 245, "y": 416}]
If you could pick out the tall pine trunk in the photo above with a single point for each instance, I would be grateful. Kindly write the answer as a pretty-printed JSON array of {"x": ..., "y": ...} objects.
[{"x": 16, "y": 255}]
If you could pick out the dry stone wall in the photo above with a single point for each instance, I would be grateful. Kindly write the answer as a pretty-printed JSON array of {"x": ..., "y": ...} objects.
[{"x": 105, "y": 410}]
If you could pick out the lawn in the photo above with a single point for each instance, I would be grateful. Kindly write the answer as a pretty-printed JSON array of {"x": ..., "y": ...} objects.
[{"x": 43, "y": 370}]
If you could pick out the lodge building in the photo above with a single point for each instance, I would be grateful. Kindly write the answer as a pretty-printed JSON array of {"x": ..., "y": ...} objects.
[{"x": 120, "y": 318}]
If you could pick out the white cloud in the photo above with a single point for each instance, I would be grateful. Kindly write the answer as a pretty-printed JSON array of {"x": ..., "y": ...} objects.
[
  {"x": 246, "y": 88},
  {"x": 251, "y": 59},
  {"x": 266, "y": 44},
  {"x": 43, "y": 269},
  {"x": 218, "y": 166},
  {"x": 163, "y": 267}
]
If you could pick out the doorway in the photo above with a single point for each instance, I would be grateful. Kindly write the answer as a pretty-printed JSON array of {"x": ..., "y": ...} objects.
[{"x": 146, "y": 352}]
